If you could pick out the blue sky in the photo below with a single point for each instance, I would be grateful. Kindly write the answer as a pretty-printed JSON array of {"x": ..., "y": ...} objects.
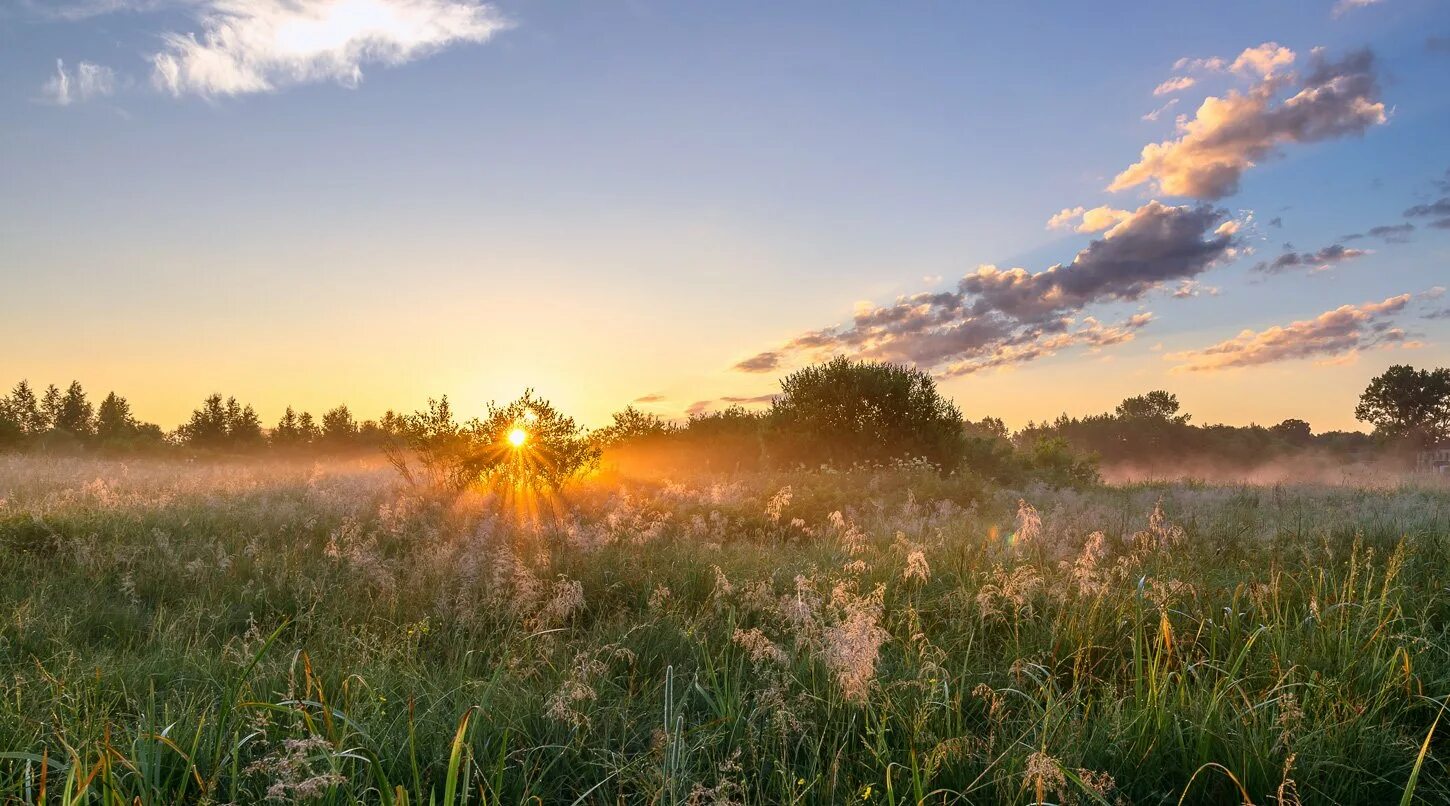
[{"x": 610, "y": 201}]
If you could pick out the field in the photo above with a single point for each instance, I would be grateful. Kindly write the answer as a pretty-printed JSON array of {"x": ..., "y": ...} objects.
[{"x": 234, "y": 632}]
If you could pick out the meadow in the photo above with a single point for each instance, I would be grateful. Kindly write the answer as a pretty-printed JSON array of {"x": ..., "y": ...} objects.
[{"x": 248, "y": 631}]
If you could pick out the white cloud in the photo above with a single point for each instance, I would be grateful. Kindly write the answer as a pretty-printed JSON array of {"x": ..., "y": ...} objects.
[
  {"x": 1344, "y": 6},
  {"x": 1332, "y": 335},
  {"x": 87, "y": 81},
  {"x": 248, "y": 46},
  {"x": 1082, "y": 219},
  {"x": 1174, "y": 84}
]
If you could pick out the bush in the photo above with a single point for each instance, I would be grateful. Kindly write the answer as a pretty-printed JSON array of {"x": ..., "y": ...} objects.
[
  {"x": 845, "y": 412},
  {"x": 433, "y": 450}
]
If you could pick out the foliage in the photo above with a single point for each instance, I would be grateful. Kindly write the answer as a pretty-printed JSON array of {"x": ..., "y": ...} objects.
[
  {"x": 433, "y": 450},
  {"x": 222, "y": 426},
  {"x": 633, "y": 426},
  {"x": 1408, "y": 404},
  {"x": 234, "y": 631},
  {"x": 845, "y": 412}
]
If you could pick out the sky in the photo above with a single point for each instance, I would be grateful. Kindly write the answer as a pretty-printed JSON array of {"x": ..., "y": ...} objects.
[{"x": 1050, "y": 206}]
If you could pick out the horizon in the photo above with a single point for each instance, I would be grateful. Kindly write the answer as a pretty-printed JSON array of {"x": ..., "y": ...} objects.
[{"x": 373, "y": 203}]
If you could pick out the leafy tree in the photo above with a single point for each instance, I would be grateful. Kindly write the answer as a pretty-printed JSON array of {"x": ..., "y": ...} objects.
[
  {"x": 1295, "y": 432},
  {"x": 1156, "y": 405},
  {"x": 1408, "y": 404},
  {"x": 633, "y": 425},
  {"x": 845, "y": 412},
  {"x": 22, "y": 408},
  {"x": 244, "y": 427},
  {"x": 338, "y": 427},
  {"x": 554, "y": 449},
  {"x": 1055, "y": 462}
]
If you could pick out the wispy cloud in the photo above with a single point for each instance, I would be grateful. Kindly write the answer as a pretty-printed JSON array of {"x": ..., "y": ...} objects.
[
  {"x": 1313, "y": 261},
  {"x": 1230, "y": 134},
  {"x": 85, "y": 82},
  {"x": 1332, "y": 334},
  {"x": 249, "y": 46},
  {"x": 1001, "y": 316},
  {"x": 1174, "y": 84},
  {"x": 1343, "y": 7}
]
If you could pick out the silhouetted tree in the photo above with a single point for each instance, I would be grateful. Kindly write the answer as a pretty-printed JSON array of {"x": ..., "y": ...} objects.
[
  {"x": 244, "y": 427},
  {"x": 1294, "y": 432},
  {"x": 114, "y": 420},
  {"x": 222, "y": 425},
  {"x": 22, "y": 408},
  {"x": 845, "y": 412},
  {"x": 75, "y": 414},
  {"x": 307, "y": 430},
  {"x": 1408, "y": 404},
  {"x": 339, "y": 429},
  {"x": 633, "y": 425},
  {"x": 1156, "y": 405},
  {"x": 50, "y": 407},
  {"x": 286, "y": 433}
]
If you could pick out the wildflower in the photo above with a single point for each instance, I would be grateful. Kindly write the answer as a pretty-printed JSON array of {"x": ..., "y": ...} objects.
[{"x": 1044, "y": 774}]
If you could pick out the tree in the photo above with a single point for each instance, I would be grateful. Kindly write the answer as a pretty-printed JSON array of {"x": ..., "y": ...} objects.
[
  {"x": 1408, "y": 404},
  {"x": 307, "y": 430},
  {"x": 1294, "y": 432},
  {"x": 219, "y": 425},
  {"x": 244, "y": 427},
  {"x": 22, "y": 408},
  {"x": 75, "y": 414},
  {"x": 529, "y": 443},
  {"x": 49, "y": 408},
  {"x": 845, "y": 412},
  {"x": 632, "y": 425},
  {"x": 114, "y": 421},
  {"x": 338, "y": 427},
  {"x": 207, "y": 427},
  {"x": 1157, "y": 405},
  {"x": 286, "y": 431}
]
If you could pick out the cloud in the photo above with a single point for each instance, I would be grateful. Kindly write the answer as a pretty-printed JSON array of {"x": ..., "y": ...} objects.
[
  {"x": 760, "y": 362},
  {"x": 1443, "y": 223},
  {"x": 1395, "y": 233},
  {"x": 1157, "y": 113},
  {"x": 1345, "y": 6},
  {"x": 700, "y": 407},
  {"x": 1000, "y": 316},
  {"x": 1263, "y": 61},
  {"x": 1337, "y": 333},
  {"x": 649, "y": 399},
  {"x": 1095, "y": 220},
  {"x": 87, "y": 81},
  {"x": 1314, "y": 261},
  {"x": 248, "y": 46},
  {"x": 1439, "y": 207},
  {"x": 1210, "y": 65},
  {"x": 1229, "y": 135},
  {"x": 1174, "y": 84}
]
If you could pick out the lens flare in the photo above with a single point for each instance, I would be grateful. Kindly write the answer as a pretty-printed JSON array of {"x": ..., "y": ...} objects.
[{"x": 518, "y": 437}]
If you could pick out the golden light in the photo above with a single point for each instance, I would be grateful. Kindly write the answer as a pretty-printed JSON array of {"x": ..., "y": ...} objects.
[{"x": 518, "y": 437}]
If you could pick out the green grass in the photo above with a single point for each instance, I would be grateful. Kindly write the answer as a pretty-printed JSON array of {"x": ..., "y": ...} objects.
[{"x": 219, "y": 633}]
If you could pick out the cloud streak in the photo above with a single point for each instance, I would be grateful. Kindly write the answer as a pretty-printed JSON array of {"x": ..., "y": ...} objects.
[
  {"x": 251, "y": 46},
  {"x": 1332, "y": 334},
  {"x": 997, "y": 317},
  {"x": 86, "y": 82},
  {"x": 1230, "y": 134},
  {"x": 1314, "y": 261}
]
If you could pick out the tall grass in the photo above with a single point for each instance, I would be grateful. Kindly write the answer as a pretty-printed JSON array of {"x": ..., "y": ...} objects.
[{"x": 234, "y": 633}]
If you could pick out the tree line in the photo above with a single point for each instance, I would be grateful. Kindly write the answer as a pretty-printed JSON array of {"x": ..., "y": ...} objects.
[{"x": 840, "y": 413}]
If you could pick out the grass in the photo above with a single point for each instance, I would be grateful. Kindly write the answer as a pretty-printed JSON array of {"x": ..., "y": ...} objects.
[{"x": 234, "y": 632}]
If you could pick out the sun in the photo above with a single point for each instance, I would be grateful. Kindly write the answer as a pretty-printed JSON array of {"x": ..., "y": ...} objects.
[{"x": 517, "y": 437}]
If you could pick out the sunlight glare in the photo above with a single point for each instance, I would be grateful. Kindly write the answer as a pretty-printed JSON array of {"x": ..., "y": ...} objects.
[{"x": 518, "y": 437}]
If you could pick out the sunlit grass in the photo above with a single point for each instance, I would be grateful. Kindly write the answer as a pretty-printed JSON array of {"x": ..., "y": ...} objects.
[{"x": 232, "y": 631}]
